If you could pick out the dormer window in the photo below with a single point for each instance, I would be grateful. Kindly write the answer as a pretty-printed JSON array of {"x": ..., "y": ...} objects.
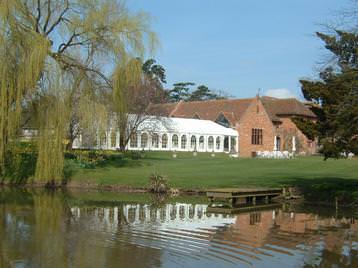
[{"x": 222, "y": 120}]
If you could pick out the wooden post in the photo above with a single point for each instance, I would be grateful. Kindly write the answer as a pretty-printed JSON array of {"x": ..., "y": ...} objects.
[{"x": 254, "y": 200}]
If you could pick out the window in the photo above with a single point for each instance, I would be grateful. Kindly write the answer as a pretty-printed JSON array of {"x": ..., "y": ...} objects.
[
  {"x": 201, "y": 142},
  {"x": 255, "y": 218},
  {"x": 218, "y": 143},
  {"x": 164, "y": 141},
  {"x": 193, "y": 142},
  {"x": 134, "y": 141},
  {"x": 256, "y": 136},
  {"x": 222, "y": 120},
  {"x": 211, "y": 143},
  {"x": 175, "y": 141},
  {"x": 144, "y": 140},
  {"x": 155, "y": 141},
  {"x": 103, "y": 139},
  {"x": 183, "y": 141},
  {"x": 113, "y": 139}
]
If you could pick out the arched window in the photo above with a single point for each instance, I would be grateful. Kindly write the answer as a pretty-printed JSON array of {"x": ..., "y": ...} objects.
[
  {"x": 183, "y": 141},
  {"x": 201, "y": 142},
  {"x": 113, "y": 139},
  {"x": 134, "y": 141},
  {"x": 211, "y": 143},
  {"x": 175, "y": 141},
  {"x": 164, "y": 141},
  {"x": 218, "y": 143},
  {"x": 155, "y": 141},
  {"x": 144, "y": 140},
  {"x": 193, "y": 142},
  {"x": 103, "y": 139}
]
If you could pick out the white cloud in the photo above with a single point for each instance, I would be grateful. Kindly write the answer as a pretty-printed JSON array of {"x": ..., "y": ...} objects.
[{"x": 281, "y": 93}]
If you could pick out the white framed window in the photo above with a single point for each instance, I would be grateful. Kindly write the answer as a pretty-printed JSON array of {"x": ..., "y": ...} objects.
[
  {"x": 155, "y": 140},
  {"x": 218, "y": 143},
  {"x": 134, "y": 141},
  {"x": 144, "y": 140},
  {"x": 201, "y": 142},
  {"x": 103, "y": 139},
  {"x": 175, "y": 141},
  {"x": 210, "y": 143},
  {"x": 193, "y": 142},
  {"x": 183, "y": 141},
  {"x": 164, "y": 141}
]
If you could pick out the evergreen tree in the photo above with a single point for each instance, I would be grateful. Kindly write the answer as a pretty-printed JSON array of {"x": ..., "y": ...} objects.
[
  {"x": 181, "y": 91},
  {"x": 335, "y": 97},
  {"x": 203, "y": 93}
]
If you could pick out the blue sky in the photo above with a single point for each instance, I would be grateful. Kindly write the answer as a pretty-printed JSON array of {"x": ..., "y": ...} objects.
[{"x": 240, "y": 46}]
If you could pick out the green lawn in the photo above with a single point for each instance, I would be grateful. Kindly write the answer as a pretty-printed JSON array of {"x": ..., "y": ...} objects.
[{"x": 204, "y": 171}]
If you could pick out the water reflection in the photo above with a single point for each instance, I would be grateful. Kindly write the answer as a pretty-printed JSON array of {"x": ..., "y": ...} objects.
[{"x": 65, "y": 230}]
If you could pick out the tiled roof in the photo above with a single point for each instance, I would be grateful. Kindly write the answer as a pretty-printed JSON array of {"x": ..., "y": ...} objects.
[
  {"x": 278, "y": 107},
  {"x": 232, "y": 109},
  {"x": 208, "y": 110},
  {"x": 164, "y": 109}
]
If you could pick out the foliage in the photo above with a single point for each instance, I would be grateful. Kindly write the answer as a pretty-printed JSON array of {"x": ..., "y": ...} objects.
[
  {"x": 183, "y": 92},
  {"x": 158, "y": 184},
  {"x": 20, "y": 162},
  {"x": 51, "y": 65},
  {"x": 308, "y": 127},
  {"x": 180, "y": 91},
  {"x": 135, "y": 86},
  {"x": 335, "y": 97},
  {"x": 204, "y": 93}
]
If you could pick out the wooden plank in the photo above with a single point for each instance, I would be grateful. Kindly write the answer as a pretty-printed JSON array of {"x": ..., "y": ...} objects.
[{"x": 234, "y": 210}]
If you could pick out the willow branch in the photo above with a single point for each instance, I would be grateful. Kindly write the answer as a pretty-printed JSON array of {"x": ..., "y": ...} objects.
[
  {"x": 38, "y": 15},
  {"x": 59, "y": 19},
  {"x": 49, "y": 13}
]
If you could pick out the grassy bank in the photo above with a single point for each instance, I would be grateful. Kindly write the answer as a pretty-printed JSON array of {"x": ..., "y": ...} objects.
[
  {"x": 204, "y": 171},
  {"x": 320, "y": 181}
]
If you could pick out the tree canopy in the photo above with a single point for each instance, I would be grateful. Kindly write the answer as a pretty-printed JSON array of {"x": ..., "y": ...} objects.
[
  {"x": 335, "y": 97},
  {"x": 52, "y": 59},
  {"x": 184, "y": 91}
]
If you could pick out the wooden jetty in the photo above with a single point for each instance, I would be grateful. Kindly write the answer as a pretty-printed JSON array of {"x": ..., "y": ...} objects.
[
  {"x": 242, "y": 208},
  {"x": 240, "y": 196}
]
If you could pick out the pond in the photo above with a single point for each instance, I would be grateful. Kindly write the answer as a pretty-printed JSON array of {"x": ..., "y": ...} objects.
[{"x": 93, "y": 229}]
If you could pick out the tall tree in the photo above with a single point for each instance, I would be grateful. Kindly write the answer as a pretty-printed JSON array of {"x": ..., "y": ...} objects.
[
  {"x": 64, "y": 40},
  {"x": 335, "y": 97},
  {"x": 204, "y": 93},
  {"x": 181, "y": 91},
  {"x": 154, "y": 78},
  {"x": 135, "y": 86}
]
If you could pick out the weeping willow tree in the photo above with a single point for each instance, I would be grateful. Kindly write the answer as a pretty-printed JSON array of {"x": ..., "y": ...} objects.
[
  {"x": 76, "y": 36},
  {"x": 126, "y": 90}
]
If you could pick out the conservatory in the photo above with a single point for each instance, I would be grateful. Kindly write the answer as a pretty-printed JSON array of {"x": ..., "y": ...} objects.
[{"x": 170, "y": 134}]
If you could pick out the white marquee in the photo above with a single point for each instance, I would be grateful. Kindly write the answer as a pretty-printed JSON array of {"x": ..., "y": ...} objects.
[{"x": 172, "y": 134}]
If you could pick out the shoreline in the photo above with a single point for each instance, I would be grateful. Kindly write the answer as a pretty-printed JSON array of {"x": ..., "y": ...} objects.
[{"x": 117, "y": 188}]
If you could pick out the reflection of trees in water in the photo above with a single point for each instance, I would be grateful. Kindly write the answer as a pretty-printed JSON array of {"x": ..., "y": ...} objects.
[
  {"x": 43, "y": 233},
  {"x": 40, "y": 230}
]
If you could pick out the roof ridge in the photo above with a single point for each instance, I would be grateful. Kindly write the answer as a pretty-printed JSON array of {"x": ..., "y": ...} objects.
[
  {"x": 175, "y": 108},
  {"x": 217, "y": 100}
]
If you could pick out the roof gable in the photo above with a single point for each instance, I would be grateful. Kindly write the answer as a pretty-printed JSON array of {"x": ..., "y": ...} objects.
[{"x": 280, "y": 107}]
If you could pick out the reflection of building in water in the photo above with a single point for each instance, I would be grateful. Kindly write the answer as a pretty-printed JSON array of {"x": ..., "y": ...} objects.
[
  {"x": 289, "y": 230},
  {"x": 187, "y": 215}
]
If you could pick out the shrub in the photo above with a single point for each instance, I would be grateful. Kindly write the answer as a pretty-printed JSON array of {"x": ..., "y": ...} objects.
[
  {"x": 158, "y": 184},
  {"x": 69, "y": 170},
  {"x": 20, "y": 162}
]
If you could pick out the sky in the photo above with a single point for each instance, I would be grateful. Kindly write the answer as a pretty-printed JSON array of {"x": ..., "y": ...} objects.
[{"x": 242, "y": 47}]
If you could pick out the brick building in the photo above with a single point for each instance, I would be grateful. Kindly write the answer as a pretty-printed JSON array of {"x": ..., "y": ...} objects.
[{"x": 263, "y": 123}]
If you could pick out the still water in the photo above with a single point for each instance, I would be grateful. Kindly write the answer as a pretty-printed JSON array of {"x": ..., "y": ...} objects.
[{"x": 80, "y": 229}]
